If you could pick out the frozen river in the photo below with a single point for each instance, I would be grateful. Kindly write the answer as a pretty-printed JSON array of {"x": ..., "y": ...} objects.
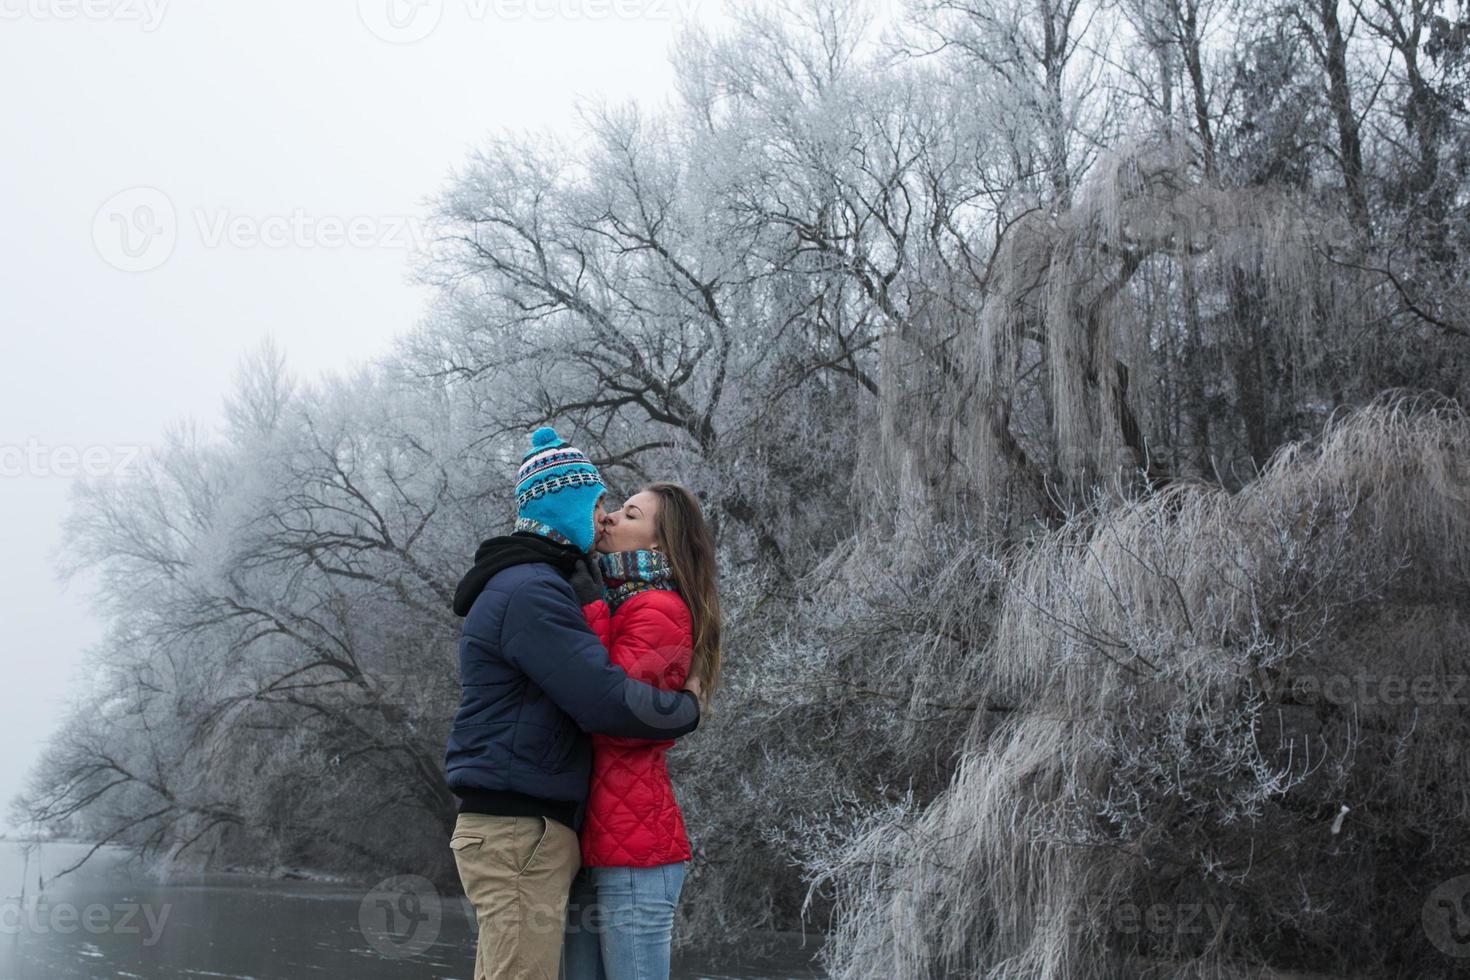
[{"x": 106, "y": 921}]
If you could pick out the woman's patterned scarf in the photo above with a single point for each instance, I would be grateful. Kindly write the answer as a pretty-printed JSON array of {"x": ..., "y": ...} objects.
[{"x": 627, "y": 573}]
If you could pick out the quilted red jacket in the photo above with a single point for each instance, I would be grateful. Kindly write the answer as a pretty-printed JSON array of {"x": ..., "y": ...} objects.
[{"x": 632, "y": 819}]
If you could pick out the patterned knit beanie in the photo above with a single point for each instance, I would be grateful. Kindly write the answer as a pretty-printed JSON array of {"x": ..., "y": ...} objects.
[{"x": 557, "y": 490}]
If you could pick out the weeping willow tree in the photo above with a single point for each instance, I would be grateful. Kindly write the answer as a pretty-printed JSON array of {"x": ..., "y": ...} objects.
[
  {"x": 1101, "y": 343},
  {"x": 1116, "y": 600},
  {"x": 1233, "y": 734}
]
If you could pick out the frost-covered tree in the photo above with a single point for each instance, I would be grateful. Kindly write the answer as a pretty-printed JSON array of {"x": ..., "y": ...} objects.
[{"x": 1030, "y": 358}]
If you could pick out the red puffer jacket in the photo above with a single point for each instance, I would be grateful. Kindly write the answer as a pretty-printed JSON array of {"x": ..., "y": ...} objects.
[{"x": 632, "y": 819}]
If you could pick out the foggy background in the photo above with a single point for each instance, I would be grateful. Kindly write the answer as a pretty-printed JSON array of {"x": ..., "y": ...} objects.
[{"x": 294, "y": 143}]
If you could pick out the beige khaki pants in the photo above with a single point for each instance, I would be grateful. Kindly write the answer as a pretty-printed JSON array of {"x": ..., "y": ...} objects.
[{"x": 517, "y": 872}]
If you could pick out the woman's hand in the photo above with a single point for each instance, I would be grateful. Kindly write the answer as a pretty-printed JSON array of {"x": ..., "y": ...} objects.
[
  {"x": 691, "y": 684},
  {"x": 586, "y": 580}
]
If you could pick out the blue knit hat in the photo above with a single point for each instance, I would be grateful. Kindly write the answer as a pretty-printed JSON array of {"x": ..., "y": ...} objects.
[{"x": 557, "y": 490}]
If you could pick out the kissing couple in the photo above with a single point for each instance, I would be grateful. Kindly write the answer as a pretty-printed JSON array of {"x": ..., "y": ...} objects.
[{"x": 591, "y": 642}]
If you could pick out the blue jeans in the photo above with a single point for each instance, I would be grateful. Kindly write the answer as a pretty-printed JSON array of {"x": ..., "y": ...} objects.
[{"x": 620, "y": 922}]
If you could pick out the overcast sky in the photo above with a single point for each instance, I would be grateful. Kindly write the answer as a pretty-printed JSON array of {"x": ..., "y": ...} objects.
[{"x": 182, "y": 178}]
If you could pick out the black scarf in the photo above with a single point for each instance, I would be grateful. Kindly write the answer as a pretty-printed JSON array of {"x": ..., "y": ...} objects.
[{"x": 505, "y": 550}]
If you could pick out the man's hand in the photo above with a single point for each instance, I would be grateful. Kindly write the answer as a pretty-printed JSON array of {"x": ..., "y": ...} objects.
[{"x": 586, "y": 580}]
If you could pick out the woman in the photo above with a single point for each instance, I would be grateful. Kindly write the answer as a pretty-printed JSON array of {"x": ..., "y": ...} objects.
[{"x": 660, "y": 622}]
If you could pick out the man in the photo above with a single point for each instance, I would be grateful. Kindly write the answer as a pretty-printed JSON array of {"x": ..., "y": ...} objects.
[{"x": 536, "y": 681}]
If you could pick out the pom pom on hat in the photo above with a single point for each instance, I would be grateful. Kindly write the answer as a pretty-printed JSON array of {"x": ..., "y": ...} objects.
[{"x": 544, "y": 438}]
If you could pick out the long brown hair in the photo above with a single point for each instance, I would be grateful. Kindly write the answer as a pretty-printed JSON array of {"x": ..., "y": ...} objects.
[{"x": 690, "y": 548}]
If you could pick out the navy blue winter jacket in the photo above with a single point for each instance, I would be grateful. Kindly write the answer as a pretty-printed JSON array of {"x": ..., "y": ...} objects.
[{"x": 536, "y": 679}]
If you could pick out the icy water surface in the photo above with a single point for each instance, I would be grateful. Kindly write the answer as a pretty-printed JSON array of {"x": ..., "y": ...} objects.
[{"x": 106, "y": 921}]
